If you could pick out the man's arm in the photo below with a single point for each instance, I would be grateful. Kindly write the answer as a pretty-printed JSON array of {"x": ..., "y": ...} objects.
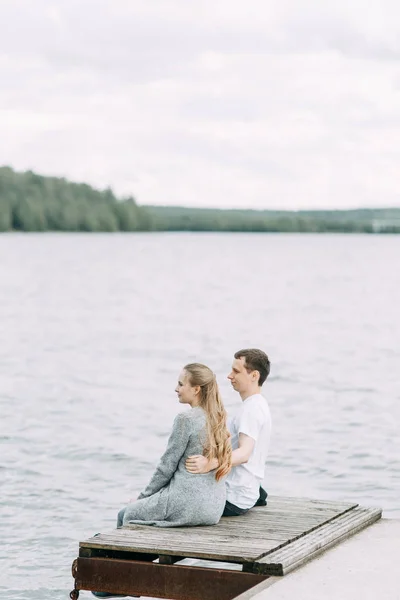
[
  {"x": 242, "y": 454},
  {"x": 200, "y": 464}
]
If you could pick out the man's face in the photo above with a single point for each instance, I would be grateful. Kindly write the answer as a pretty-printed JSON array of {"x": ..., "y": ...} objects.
[{"x": 239, "y": 377}]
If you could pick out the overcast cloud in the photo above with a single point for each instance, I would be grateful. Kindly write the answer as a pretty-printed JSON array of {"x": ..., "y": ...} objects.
[{"x": 265, "y": 104}]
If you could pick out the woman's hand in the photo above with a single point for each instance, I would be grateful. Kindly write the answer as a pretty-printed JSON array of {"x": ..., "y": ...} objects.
[{"x": 199, "y": 464}]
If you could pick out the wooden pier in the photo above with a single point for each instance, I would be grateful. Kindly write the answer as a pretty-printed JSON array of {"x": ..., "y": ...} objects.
[{"x": 267, "y": 541}]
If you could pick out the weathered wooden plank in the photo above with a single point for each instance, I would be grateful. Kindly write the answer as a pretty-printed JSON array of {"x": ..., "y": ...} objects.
[
  {"x": 288, "y": 558},
  {"x": 162, "y": 581},
  {"x": 243, "y": 539},
  {"x": 231, "y": 553},
  {"x": 304, "y": 499},
  {"x": 281, "y": 503}
]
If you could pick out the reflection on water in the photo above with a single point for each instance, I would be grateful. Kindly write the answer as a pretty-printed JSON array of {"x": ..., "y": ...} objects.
[{"x": 95, "y": 329}]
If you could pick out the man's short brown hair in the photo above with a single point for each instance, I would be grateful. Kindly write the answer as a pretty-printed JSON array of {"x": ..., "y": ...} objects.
[{"x": 255, "y": 360}]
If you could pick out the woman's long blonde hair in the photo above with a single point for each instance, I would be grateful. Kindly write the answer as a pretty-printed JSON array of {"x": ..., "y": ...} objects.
[{"x": 218, "y": 443}]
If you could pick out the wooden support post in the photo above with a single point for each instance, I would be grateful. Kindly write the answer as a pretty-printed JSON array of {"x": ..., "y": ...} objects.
[{"x": 166, "y": 559}]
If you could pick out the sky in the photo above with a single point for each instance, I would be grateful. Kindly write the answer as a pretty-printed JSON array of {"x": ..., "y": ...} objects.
[{"x": 287, "y": 104}]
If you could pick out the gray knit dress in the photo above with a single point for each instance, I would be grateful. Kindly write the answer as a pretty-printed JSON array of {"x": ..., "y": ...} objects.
[{"x": 174, "y": 497}]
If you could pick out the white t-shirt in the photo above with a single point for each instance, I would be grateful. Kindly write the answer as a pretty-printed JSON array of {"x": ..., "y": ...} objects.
[{"x": 243, "y": 482}]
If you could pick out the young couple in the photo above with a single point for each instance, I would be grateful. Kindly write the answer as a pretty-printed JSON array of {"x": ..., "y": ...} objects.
[{"x": 210, "y": 470}]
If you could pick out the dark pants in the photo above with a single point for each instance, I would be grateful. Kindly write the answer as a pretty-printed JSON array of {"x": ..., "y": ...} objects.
[{"x": 234, "y": 511}]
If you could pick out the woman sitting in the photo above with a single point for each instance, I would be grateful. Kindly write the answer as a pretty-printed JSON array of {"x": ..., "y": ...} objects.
[{"x": 174, "y": 497}]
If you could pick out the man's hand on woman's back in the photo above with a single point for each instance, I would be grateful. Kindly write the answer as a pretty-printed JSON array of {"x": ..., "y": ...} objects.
[{"x": 200, "y": 464}]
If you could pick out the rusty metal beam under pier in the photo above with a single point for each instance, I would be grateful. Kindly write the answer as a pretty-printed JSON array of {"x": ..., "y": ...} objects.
[{"x": 175, "y": 582}]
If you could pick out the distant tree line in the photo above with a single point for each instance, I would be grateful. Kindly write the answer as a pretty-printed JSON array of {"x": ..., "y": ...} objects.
[
  {"x": 31, "y": 202},
  {"x": 183, "y": 219},
  {"x": 170, "y": 218}
]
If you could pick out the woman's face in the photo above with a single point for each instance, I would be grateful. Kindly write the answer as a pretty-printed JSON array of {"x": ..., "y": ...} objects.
[{"x": 187, "y": 394}]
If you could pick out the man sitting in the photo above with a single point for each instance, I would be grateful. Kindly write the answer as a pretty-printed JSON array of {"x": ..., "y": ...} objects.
[{"x": 250, "y": 429}]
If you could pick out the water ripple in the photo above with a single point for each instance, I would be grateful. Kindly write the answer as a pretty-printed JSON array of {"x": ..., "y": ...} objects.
[{"x": 95, "y": 330}]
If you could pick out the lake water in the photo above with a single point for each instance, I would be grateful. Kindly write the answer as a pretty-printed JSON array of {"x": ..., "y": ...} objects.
[{"x": 95, "y": 329}]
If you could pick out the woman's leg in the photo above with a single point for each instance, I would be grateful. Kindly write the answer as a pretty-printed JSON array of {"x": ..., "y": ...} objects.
[{"x": 120, "y": 518}]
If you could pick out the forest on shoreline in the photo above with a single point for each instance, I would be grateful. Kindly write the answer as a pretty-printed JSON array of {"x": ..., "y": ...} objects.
[{"x": 32, "y": 202}]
